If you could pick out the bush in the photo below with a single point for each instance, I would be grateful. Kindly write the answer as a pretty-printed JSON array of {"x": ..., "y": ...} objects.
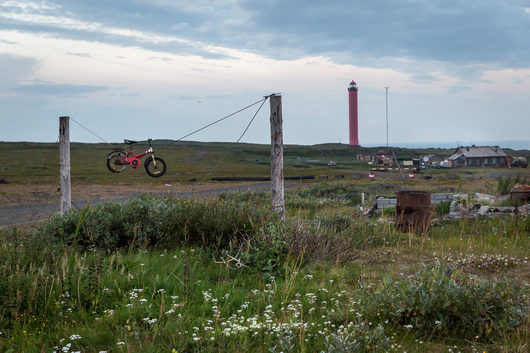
[
  {"x": 267, "y": 251},
  {"x": 364, "y": 338},
  {"x": 337, "y": 223},
  {"x": 346, "y": 193},
  {"x": 443, "y": 208},
  {"x": 505, "y": 185},
  {"x": 436, "y": 302},
  {"x": 156, "y": 222},
  {"x": 311, "y": 198},
  {"x": 308, "y": 242},
  {"x": 255, "y": 197}
]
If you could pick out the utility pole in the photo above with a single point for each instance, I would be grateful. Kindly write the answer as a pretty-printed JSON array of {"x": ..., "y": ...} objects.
[
  {"x": 386, "y": 90},
  {"x": 277, "y": 192},
  {"x": 64, "y": 164}
]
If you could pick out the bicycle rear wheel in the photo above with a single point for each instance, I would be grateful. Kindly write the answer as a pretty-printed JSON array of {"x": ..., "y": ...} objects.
[
  {"x": 156, "y": 168},
  {"x": 114, "y": 163}
]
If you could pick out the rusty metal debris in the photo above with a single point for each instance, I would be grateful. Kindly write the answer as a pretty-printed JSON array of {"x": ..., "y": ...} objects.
[
  {"x": 520, "y": 193},
  {"x": 413, "y": 211},
  {"x": 461, "y": 206}
]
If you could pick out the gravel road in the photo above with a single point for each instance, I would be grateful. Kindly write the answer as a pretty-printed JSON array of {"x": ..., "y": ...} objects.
[{"x": 24, "y": 212}]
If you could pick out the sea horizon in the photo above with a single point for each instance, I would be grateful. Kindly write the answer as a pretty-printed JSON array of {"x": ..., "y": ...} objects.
[{"x": 515, "y": 144}]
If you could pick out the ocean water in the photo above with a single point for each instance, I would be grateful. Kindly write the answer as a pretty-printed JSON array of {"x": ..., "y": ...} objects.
[{"x": 516, "y": 145}]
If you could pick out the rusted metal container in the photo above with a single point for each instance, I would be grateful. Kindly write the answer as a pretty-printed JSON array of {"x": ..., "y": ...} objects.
[
  {"x": 520, "y": 193},
  {"x": 413, "y": 211}
]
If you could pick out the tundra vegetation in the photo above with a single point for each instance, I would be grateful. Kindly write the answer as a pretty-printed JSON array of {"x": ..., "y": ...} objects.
[{"x": 226, "y": 275}]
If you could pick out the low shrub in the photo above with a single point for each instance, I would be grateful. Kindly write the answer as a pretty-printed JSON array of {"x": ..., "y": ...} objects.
[
  {"x": 310, "y": 198},
  {"x": 156, "y": 222},
  {"x": 345, "y": 192},
  {"x": 308, "y": 242},
  {"x": 255, "y": 197},
  {"x": 437, "y": 302},
  {"x": 442, "y": 208},
  {"x": 364, "y": 338},
  {"x": 505, "y": 185},
  {"x": 337, "y": 223},
  {"x": 267, "y": 251}
]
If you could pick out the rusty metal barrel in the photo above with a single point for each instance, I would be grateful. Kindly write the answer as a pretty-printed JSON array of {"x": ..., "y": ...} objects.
[{"x": 413, "y": 211}]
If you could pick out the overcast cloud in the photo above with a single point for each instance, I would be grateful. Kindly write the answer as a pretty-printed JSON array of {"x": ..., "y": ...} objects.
[{"x": 457, "y": 70}]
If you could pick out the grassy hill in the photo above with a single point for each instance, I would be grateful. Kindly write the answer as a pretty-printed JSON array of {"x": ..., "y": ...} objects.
[{"x": 37, "y": 163}]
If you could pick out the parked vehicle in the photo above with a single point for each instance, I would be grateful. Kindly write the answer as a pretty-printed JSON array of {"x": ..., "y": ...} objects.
[{"x": 519, "y": 162}]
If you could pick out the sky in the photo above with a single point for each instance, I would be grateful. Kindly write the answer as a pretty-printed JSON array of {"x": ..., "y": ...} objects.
[{"x": 458, "y": 71}]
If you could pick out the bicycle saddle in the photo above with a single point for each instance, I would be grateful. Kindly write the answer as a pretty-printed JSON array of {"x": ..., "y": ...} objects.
[{"x": 130, "y": 142}]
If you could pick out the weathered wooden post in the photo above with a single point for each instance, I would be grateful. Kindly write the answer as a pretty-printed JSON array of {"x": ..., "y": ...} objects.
[
  {"x": 277, "y": 193},
  {"x": 64, "y": 163}
]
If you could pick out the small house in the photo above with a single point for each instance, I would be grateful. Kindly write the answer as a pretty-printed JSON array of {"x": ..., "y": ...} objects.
[
  {"x": 431, "y": 160},
  {"x": 478, "y": 156},
  {"x": 382, "y": 158}
]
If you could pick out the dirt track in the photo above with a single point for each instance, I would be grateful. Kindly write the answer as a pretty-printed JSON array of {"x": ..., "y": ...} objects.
[{"x": 29, "y": 204}]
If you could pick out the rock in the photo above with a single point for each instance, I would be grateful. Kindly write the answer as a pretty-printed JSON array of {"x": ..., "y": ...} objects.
[
  {"x": 483, "y": 210},
  {"x": 484, "y": 197}
]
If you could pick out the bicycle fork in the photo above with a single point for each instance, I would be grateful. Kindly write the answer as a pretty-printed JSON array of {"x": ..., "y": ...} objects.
[
  {"x": 152, "y": 153},
  {"x": 150, "y": 150}
]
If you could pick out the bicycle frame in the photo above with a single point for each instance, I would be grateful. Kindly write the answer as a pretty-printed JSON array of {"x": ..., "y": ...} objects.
[{"x": 134, "y": 160}]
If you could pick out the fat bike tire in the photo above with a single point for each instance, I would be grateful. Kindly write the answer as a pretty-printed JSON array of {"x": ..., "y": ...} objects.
[{"x": 155, "y": 171}]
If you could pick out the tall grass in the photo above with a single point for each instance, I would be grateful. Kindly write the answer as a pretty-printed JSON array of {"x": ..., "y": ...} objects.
[{"x": 162, "y": 275}]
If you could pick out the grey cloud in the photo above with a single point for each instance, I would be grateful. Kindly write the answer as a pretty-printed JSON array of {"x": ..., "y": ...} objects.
[
  {"x": 453, "y": 31},
  {"x": 186, "y": 97},
  {"x": 82, "y": 55},
  {"x": 161, "y": 58},
  {"x": 56, "y": 89},
  {"x": 423, "y": 77},
  {"x": 365, "y": 33}
]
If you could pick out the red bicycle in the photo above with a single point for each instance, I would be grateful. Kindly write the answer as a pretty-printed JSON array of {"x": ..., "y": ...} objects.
[{"x": 118, "y": 160}]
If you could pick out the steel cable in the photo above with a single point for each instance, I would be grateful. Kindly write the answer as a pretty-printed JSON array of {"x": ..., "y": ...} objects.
[
  {"x": 230, "y": 150},
  {"x": 183, "y": 137}
]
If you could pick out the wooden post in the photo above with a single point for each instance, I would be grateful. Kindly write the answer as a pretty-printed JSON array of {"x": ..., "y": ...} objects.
[
  {"x": 64, "y": 163},
  {"x": 277, "y": 192}
]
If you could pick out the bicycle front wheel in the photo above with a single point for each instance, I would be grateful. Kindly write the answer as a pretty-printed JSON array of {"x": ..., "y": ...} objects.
[
  {"x": 115, "y": 163},
  {"x": 155, "y": 168}
]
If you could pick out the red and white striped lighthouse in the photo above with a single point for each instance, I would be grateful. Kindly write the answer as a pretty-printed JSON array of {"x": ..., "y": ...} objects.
[{"x": 354, "y": 127}]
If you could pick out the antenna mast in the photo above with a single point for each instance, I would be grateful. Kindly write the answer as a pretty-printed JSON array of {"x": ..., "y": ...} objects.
[{"x": 386, "y": 90}]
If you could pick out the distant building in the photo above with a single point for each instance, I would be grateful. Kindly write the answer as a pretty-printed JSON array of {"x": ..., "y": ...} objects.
[
  {"x": 431, "y": 160},
  {"x": 382, "y": 158},
  {"x": 365, "y": 157},
  {"x": 478, "y": 156}
]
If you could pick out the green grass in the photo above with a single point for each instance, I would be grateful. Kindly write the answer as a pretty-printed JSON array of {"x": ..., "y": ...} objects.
[
  {"x": 326, "y": 282},
  {"x": 37, "y": 163},
  {"x": 181, "y": 298}
]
